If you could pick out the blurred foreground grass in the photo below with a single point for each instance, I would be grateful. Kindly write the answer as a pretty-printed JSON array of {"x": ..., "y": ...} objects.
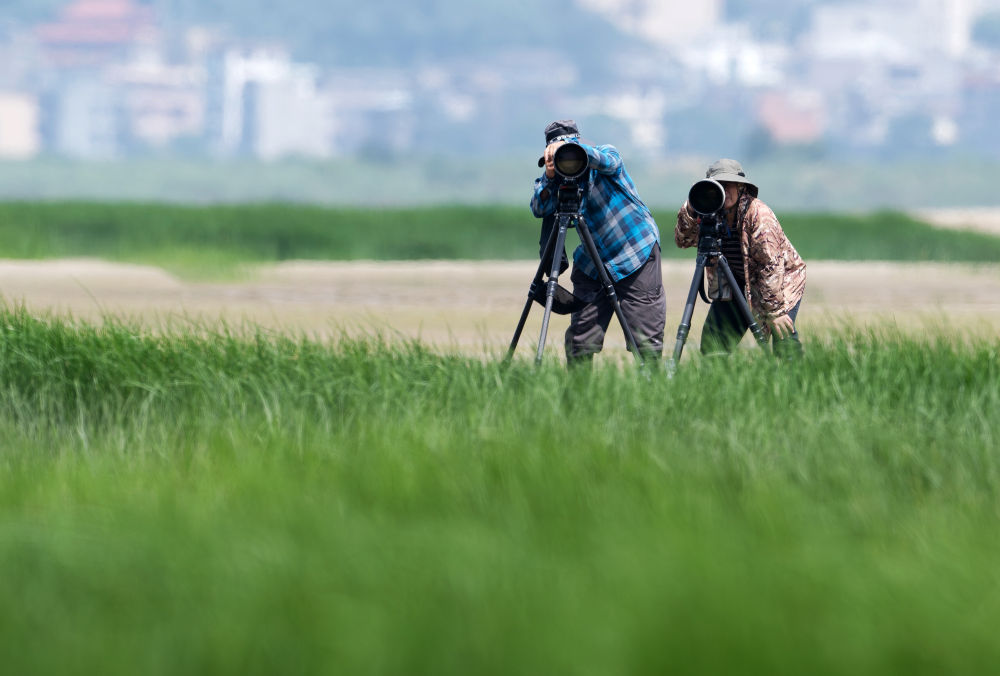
[
  {"x": 208, "y": 240},
  {"x": 239, "y": 501}
]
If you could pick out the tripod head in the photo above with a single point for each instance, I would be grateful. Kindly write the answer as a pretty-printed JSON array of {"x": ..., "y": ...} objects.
[{"x": 569, "y": 198}]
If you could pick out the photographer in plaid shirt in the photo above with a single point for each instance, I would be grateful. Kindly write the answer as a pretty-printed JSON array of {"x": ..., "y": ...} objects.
[{"x": 627, "y": 239}]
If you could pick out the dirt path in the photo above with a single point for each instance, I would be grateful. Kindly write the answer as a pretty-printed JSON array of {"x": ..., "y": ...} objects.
[
  {"x": 984, "y": 219},
  {"x": 473, "y": 306}
]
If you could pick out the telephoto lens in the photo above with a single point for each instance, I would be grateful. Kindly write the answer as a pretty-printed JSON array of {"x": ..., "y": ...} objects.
[
  {"x": 570, "y": 161},
  {"x": 706, "y": 196}
]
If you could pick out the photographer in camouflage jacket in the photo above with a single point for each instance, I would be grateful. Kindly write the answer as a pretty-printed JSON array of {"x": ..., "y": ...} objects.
[{"x": 769, "y": 270}]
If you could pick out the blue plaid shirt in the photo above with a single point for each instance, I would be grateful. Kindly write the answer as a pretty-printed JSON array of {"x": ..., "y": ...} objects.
[{"x": 622, "y": 226}]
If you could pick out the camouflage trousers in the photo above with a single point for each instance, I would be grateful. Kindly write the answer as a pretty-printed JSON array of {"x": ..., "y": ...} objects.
[{"x": 642, "y": 301}]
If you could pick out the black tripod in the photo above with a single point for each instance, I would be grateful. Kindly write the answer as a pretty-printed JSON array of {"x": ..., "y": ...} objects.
[
  {"x": 710, "y": 251},
  {"x": 568, "y": 216}
]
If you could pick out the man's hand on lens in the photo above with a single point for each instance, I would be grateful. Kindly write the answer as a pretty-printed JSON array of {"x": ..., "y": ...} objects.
[
  {"x": 782, "y": 326},
  {"x": 550, "y": 153}
]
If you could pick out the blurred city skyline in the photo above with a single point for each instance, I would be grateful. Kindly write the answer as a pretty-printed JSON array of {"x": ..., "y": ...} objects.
[{"x": 100, "y": 80}]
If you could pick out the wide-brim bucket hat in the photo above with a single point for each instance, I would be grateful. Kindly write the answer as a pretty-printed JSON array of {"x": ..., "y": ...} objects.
[{"x": 732, "y": 171}]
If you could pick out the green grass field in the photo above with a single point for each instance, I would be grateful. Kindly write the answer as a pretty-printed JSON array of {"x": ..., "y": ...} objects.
[
  {"x": 208, "y": 239},
  {"x": 236, "y": 501}
]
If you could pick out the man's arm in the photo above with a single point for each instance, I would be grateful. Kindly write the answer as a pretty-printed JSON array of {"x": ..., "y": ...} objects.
[
  {"x": 605, "y": 159},
  {"x": 686, "y": 232},
  {"x": 543, "y": 201},
  {"x": 765, "y": 236}
]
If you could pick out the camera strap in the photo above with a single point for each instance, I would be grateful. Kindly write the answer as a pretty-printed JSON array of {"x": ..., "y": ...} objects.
[{"x": 564, "y": 302}]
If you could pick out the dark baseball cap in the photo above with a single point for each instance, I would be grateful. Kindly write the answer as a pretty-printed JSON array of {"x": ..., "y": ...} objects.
[
  {"x": 556, "y": 129},
  {"x": 560, "y": 128}
]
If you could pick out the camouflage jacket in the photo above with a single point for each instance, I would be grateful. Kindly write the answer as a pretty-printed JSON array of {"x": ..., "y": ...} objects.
[{"x": 775, "y": 273}]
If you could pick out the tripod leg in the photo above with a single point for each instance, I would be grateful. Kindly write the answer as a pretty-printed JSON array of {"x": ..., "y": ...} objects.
[
  {"x": 609, "y": 288},
  {"x": 685, "y": 326},
  {"x": 741, "y": 303},
  {"x": 553, "y": 283},
  {"x": 542, "y": 264}
]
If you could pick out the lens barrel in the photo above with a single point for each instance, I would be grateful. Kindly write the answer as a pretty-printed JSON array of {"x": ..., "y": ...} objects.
[
  {"x": 570, "y": 160},
  {"x": 706, "y": 197}
]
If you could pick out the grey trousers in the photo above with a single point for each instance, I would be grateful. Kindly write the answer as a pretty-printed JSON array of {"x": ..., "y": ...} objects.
[{"x": 642, "y": 301}]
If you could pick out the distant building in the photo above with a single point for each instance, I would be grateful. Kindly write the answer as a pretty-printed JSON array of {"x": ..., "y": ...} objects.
[
  {"x": 91, "y": 33},
  {"x": 19, "y": 126},
  {"x": 271, "y": 107},
  {"x": 663, "y": 22},
  {"x": 111, "y": 78},
  {"x": 373, "y": 109},
  {"x": 162, "y": 103},
  {"x": 736, "y": 57},
  {"x": 640, "y": 111},
  {"x": 890, "y": 73},
  {"x": 792, "y": 117},
  {"x": 291, "y": 119},
  {"x": 85, "y": 120},
  {"x": 892, "y": 29},
  {"x": 93, "y": 103}
]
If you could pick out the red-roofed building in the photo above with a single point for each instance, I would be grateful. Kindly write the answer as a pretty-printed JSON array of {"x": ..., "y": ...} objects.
[
  {"x": 96, "y": 32},
  {"x": 792, "y": 118}
]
